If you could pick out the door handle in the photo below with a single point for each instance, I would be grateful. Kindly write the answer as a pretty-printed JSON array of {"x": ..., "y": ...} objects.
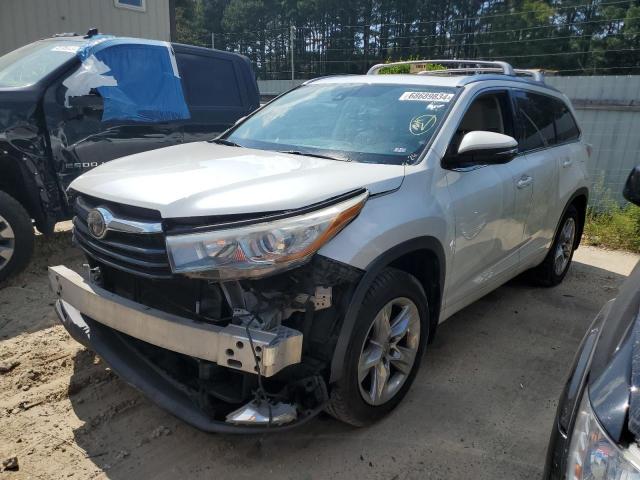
[
  {"x": 567, "y": 162},
  {"x": 524, "y": 181}
]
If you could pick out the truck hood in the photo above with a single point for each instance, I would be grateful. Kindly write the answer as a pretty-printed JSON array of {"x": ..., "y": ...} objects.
[{"x": 201, "y": 179}]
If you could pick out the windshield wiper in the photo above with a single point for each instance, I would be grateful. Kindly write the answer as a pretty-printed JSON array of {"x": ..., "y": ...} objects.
[
  {"x": 317, "y": 155},
  {"x": 224, "y": 141}
]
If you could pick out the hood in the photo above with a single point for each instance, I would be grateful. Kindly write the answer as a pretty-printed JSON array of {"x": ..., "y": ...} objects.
[{"x": 202, "y": 179}]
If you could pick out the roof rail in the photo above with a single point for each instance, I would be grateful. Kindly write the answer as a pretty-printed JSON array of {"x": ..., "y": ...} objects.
[
  {"x": 463, "y": 67},
  {"x": 537, "y": 75}
]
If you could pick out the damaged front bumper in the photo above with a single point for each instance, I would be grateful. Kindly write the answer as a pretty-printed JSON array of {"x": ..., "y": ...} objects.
[{"x": 98, "y": 319}]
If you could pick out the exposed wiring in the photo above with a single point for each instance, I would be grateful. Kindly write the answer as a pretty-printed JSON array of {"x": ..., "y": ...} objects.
[{"x": 261, "y": 394}]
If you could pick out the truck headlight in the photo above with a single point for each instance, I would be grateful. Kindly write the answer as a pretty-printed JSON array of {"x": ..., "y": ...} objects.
[
  {"x": 592, "y": 455},
  {"x": 263, "y": 248}
]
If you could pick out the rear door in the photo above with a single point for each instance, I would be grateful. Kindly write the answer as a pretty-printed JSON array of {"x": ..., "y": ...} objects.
[
  {"x": 572, "y": 153},
  {"x": 537, "y": 144},
  {"x": 219, "y": 89}
]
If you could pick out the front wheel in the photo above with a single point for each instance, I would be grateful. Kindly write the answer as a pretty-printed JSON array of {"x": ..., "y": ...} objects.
[
  {"x": 556, "y": 264},
  {"x": 385, "y": 350},
  {"x": 16, "y": 236}
]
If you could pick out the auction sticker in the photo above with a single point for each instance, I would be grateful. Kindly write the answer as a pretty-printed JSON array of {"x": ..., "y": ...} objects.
[
  {"x": 421, "y": 124},
  {"x": 65, "y": 48},
  {"x": 426, "y": 97}
]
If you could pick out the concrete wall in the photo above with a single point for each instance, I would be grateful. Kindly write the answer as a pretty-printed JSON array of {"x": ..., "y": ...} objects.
[{"x": 23, "y": 21}]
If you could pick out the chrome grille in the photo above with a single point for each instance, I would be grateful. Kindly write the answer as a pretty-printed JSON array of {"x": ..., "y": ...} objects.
[{"x": 143, "y": 254}]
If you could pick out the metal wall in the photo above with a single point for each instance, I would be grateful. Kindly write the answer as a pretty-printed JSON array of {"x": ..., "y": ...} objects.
[
  {"x": 23, "y": 21},
  {"x": 608, "y": 110}
]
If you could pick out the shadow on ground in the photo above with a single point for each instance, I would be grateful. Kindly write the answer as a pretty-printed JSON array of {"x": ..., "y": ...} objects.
[
  {"x": 481, "y": 407},
  {"x": 26, "y": 302}
]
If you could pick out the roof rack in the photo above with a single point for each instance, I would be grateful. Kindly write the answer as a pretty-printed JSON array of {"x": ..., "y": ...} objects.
[{"x": 463, "y": 67}]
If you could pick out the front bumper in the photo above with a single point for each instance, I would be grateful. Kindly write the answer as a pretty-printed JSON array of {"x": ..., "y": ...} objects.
[
  {"x": 227, "y": 346},
  {"x": 121, "y": 315}
]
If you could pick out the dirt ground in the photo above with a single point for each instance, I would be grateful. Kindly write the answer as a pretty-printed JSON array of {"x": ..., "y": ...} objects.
[{"x": 481, "y": 407}]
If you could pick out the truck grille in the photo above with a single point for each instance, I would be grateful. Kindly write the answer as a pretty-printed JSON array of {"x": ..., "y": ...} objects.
[{"x": 143, "y": 254}]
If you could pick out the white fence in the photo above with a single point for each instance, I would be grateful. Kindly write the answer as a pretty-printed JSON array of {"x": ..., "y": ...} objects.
[{"x": 608, "y": 110}]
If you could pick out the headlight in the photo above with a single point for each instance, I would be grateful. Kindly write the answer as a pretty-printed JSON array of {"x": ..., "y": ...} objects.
[
  {"x": 262, "y": 248},
  {"x": 592, "y": 455}
]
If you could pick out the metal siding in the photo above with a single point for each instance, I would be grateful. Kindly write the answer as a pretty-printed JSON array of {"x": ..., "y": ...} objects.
[
  {"x": 23, "y": 21},
  {"x": 611, "y": 131}
]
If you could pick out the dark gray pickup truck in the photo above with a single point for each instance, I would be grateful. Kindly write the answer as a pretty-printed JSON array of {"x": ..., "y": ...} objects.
[{"x": 70, "y": 103}]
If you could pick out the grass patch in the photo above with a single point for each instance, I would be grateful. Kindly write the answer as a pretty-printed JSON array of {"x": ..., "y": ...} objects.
[{"x": 615, "y": 228}]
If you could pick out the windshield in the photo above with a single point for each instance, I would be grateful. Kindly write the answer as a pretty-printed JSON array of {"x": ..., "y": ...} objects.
[
  {"x": 354, "y": 122},
  {"x": 27, "y": 65}
]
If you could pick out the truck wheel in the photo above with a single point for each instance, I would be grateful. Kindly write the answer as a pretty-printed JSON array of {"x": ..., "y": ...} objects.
[
  {"x": 16, "y": 236},
  {"x": 556, "y": 264},
  {"x": 385, "y": 349}
]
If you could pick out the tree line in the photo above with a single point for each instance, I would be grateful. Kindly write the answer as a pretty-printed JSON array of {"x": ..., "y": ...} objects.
[{"x": 571, "y": 37}]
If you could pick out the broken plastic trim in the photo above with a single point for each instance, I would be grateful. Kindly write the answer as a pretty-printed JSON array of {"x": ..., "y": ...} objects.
[
  {"x": 129, "y": 365},
  {"x": 262, "y": 413}
]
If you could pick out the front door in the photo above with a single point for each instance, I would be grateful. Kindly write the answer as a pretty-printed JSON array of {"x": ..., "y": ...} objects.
[
  {"x": 488, "y": 229},
  {"x": 82, "y": 136},
  {"x": 536, "y": 140}
]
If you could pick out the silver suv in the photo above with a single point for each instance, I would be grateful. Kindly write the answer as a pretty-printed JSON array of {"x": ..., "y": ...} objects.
[{"x": 303, "y": 260}]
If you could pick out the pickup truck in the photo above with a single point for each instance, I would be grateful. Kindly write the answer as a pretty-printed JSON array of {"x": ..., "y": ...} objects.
[{"x": 70, "y": 103}]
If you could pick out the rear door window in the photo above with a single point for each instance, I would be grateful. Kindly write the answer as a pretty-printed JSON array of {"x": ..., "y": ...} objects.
[
  {"x": 536, "y": 120},
  {"x": 209, "y": 81},
  {"x": 566, "y": 128}
]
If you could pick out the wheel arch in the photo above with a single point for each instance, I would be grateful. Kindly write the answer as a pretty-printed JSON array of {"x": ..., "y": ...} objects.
[
  {"x": 579, "y": 200},
  {"x": 419, "y": 257},
  {"x": 12, "y": 182}
]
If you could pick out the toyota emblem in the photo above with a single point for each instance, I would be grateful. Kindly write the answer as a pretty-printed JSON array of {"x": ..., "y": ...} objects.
[{"x": 97, "y": 222}]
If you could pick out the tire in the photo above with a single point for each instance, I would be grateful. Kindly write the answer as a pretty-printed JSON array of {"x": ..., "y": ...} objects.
[
  {"x": 16, "y": 237},
  {"x": 356, "y": 401},
  {"x": 548, "y": 274}
]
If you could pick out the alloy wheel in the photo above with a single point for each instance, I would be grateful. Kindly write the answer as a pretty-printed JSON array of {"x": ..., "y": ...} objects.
[
  {"x": 389, "y": 351},
  {"x": 565, "y": 246},
  {"x": 7, "y": 242}
]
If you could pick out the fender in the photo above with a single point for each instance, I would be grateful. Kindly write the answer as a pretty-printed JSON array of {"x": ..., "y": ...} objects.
[
  {"x": 371, "y": 272},
  {"x": 30, "y": 184}
]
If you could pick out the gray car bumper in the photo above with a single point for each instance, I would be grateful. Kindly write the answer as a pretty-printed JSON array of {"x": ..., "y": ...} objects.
[{"x": 131, "y": 366}]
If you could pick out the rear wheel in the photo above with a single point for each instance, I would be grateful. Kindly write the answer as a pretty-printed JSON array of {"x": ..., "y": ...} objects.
[
  {"x": 16, "y": 236},
  {"x": 385, "y": 350},
  {"x": 556, "y": 264}
]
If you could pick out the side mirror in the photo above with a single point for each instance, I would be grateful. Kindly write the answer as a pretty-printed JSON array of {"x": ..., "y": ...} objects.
[
  {"x": 632, "y": 188},
  {"x": 483, "y": 148}
]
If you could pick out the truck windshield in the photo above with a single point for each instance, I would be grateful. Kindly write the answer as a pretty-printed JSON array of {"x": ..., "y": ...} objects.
[
  {"x": 27, "y": 65},
  {"x": 374, "y": 123}
]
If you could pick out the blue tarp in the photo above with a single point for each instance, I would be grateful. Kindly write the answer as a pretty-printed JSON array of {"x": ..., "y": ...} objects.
[{"x": 141, "y": 79}]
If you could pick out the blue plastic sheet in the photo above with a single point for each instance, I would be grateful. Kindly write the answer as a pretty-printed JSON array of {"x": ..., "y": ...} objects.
[{"x": 138, "y": 80}]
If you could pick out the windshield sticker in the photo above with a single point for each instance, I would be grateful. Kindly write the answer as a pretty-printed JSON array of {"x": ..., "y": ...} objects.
[
  {"x": 399, "y": 150},
  {"x": 65, "y": 48},
  {"x": 435, "y": 106},
  {"x": 426, "y": 97},
  {"x": 421, "y": 124}
]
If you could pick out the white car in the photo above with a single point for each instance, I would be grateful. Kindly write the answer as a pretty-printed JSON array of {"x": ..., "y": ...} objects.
[{"x": 303, "y": 260}]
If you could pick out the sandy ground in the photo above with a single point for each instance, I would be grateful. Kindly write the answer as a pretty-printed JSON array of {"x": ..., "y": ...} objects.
[{"x": 481, "y": 407}]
